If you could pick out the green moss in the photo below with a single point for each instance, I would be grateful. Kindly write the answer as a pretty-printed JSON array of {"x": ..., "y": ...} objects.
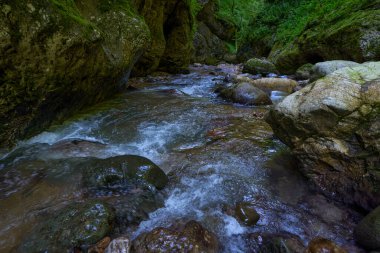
[{"x": 70, "y": 11}]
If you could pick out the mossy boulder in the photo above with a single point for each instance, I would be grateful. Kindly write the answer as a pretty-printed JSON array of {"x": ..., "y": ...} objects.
[
  {"x": 332, "y": 126},
  {"x": 256, "y": 66},
  {"x": 58, "y": 56},
  {"x": 77, "y": 225},
  {"x": 351, "y": 36},
  {"x": 367, "y": 232},
  {"x": 116, "y": 171},
  {"x": 171, "y": 24},
  {"x": 304, "y": 72}
]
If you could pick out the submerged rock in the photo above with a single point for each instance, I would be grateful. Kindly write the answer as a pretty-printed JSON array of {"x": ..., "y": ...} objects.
[
  {"x": 191, "y": 238},
  {"x": 333, "y": 128},
  {"x": 322, "y": 69},
  {"x": 256, "y": 66},
  {"x": 322, "y": 245},
  {"x": 367, "y": 232},
  {"x": 245, "y": 93},
  {"x": 76, "y": 225},
  {"x": 279, "y": 243},
  {"x": 246, "y": 213}
]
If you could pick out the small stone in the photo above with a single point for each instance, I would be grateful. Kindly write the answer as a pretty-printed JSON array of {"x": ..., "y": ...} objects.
[
  {"x": 119, "y": 245},
  {"x": 322, "y": 245},
  {"x": 246, "y": 213}
]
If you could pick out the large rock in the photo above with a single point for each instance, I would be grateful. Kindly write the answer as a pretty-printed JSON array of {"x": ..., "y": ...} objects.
[
  {"x": 322, "y": 69},
  {"x": 367, "y": 232},
  {"x": 170, "y": 23},
  {"x": 333, "y": 127},
  {"x": 278, "y": 84},
  {"x": 76, "y": 225},
  {"x": 115, "y": 171},
  {"x": 190, "y": 238},
  {"x": 353, "y": 35},
  {"x": 322, "y": 245},
  {"x": 259, "y": 66},
  {"x": 59, "y": 56},
  {"x": 245, "y": 93}
]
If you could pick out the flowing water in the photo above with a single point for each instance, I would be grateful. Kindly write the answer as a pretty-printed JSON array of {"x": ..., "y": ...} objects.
[{"x": 215, "y": 153}]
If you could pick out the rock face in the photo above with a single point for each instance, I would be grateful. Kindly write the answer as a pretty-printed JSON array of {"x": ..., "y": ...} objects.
[
  {"x": 191, "y": 238},
  {"x": 76, "y": 225},
  {"x": 259, "y": 66},
  {"x": 367, "y": 232},
  {"x": 353, "y": 37},
  {"x": 56, "y": 57},
  {"x": 208, "y": 47},
  {"x": 333, "y": 127},
  {"x": 170, "y": 23},
  {"x": 245, "y": 93}
]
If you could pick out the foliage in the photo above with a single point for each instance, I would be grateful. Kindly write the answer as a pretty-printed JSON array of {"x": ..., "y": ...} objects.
[{"x": 284, "y": 20}]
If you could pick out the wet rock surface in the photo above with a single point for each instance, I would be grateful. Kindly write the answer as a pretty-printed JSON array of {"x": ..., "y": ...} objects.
[
  {"x": 280, "y": 242},
  {"x": 77, "y": 225},
  {"x": 332, "y": 126},
  {"x": 191, "y": 237},
  {"x": 245, "y": 93},
  {"x": 322, "y": 245}
]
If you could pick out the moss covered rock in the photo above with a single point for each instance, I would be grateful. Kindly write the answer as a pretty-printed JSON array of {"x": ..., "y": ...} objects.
[
  {"x": 256, "y": 66},
  {"x": 333, "y": 126},
  {"x": 59, "y": 56},
  {"x": 116, "y": 171},
  {"x": 322, "y": 69},
  {"x": 350, "y": 36}
]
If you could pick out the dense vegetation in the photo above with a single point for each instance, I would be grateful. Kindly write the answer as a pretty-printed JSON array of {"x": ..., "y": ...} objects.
[{"x": 283, "y": 20}]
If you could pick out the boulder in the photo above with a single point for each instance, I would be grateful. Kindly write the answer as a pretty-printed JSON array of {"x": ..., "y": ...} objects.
[
  {"x": 245, "y": 93},
  {"x": 259, "y": 66},
  {"x": 333, "y": 126},
  {"x": 278, "y": 84},
  {"x": 322, "y": 245},
  {"x": 304, "y": 72},
  {"x": 57, "y": 57},
  {"x": 322, "y": 69},
  {"x": 246, "y": 213},
  {"x": 114, "y": 171},
  {"x": 191, "y": 238},
  {"x": 367, "y": 232},
  {"x": 76, "y": 225}
]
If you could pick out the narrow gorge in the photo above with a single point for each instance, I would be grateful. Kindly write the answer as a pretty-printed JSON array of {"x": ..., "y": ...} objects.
[{"x": 190, "y": 126}]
